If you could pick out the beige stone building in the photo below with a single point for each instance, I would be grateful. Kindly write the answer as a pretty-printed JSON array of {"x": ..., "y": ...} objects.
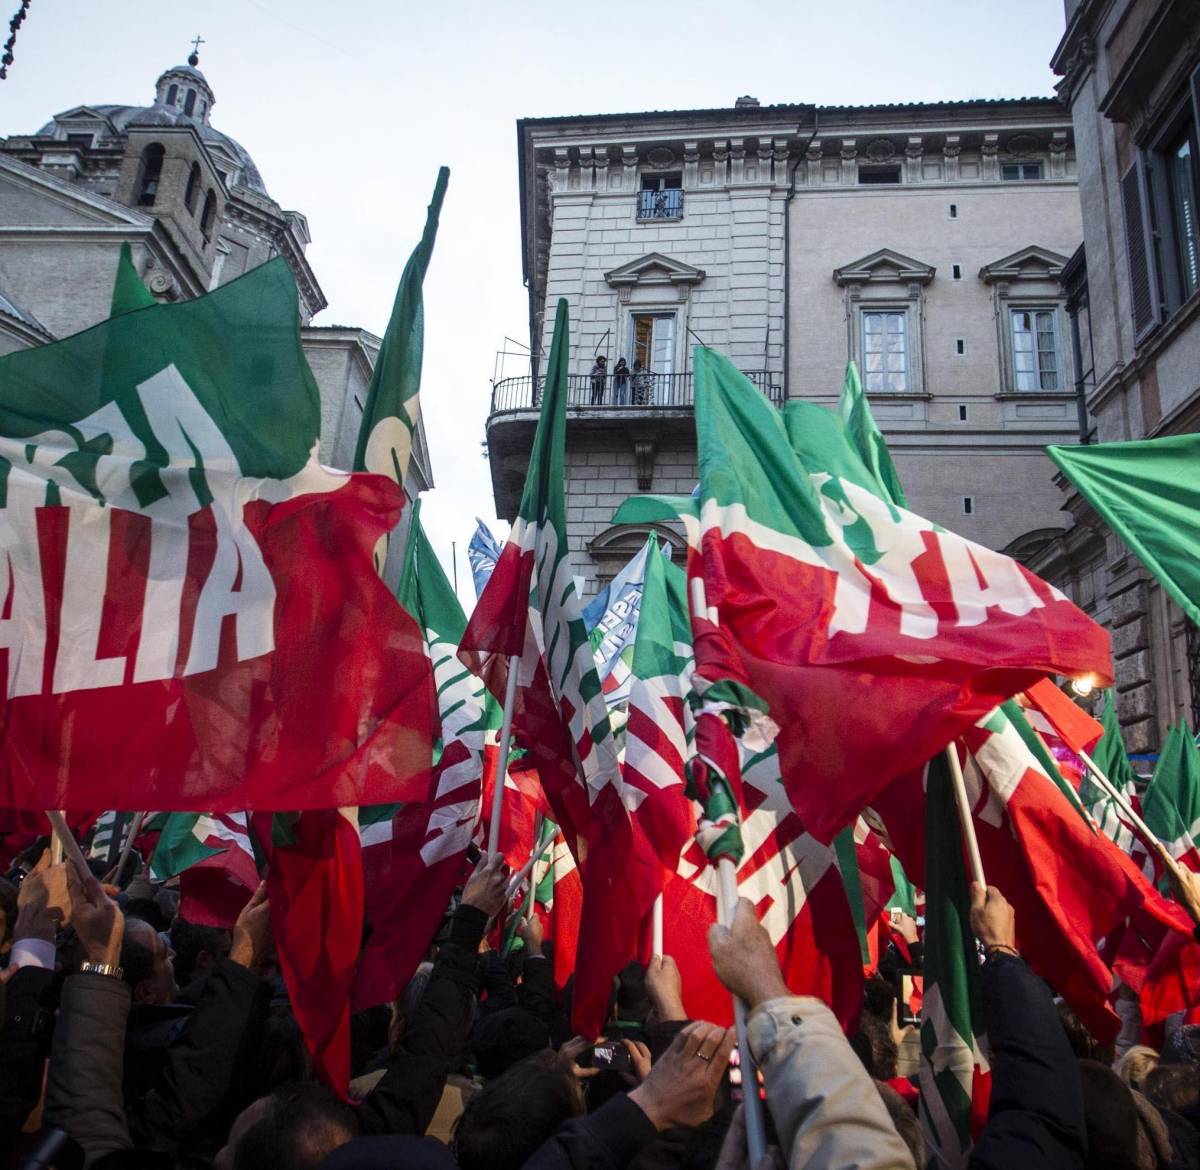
[
  {"x": 925, "y": 241},
  {"x": 1131, "y": 78},
  {"x": 196, "y": 212}
]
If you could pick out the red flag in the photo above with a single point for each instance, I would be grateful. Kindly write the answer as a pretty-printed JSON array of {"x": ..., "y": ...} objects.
[{"x": 1075, "y": 727}]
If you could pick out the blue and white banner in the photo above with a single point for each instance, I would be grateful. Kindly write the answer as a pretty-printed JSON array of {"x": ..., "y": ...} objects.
[
  {"x": 612, "y": 617},
  {"x": 483, "y": 552}
]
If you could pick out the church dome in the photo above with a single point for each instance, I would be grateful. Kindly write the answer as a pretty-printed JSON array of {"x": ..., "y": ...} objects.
[{"x": 183, "y": 97}]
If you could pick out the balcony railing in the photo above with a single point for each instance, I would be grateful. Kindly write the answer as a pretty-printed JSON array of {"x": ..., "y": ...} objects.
[
  {"x": 666, "y": 204},
  {"x": 643, "y": 392}
]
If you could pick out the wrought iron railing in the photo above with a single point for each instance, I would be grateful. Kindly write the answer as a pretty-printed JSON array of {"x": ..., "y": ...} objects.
[
  {"x": 640, "y": 392},
  {"x": 666, "y": 204}
]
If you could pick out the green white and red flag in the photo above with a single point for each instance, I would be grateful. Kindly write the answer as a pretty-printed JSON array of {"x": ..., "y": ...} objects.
[
  {"x": 1110, "y": 757},
  {"x": 212, "y": 856},
  {"x": 954, "y": 1072},
  {"x": 874, "y": 636},
  {"x": 530, "y": 609},
  {"x": 558, "y": 899},
  {"x": 182, "y": 577},
  {"x": 416, "y": 855},
  {"x": 1071, "y": 886},
  {"x": 1171, "y": 802}
]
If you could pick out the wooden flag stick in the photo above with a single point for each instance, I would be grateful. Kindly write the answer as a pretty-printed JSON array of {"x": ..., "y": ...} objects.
[
  {"x": 964, "y": 814},
  {"x": 66, "y": 842},
  {"x": 1114, "y": 794},
  {"x": 135, "y": 827},
  {"x": 510, "y": 699},
  {"x": 756, "y": 1130},
  {"x": 656, "y": 927},
  {"x": 56, "y": 843}
]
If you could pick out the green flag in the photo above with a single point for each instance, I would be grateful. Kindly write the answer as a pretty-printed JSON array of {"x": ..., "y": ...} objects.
[
  {"x": 392, "y": 409},
  {"x": 867, "y": 439},
  {"x": 1109, "y": 756},
  {"x": 129, "y": 293},
  {"x": 1149, "y": 494},
  {"x": 1171, "y": 802}
]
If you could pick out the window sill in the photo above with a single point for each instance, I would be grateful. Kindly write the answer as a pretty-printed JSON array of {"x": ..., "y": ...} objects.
[
  {"x": 899, "y": 395},
  {"x": 657, "y": 218},
  {"x": 1029, "y": 395}
]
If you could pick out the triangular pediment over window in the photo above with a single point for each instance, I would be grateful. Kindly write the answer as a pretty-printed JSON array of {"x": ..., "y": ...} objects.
[
  {"x": 1031, "y": 263},
  {"x": 884, "y": 267},
  {"x": 88, "y": 115},
  {"x": 654, "y": 268}
]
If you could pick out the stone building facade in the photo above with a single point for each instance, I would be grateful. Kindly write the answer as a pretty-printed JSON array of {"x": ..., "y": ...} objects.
[
  {"x": 196, "y": 213},
  {"x": 925, "y": 241},
  {"x": 1131, "y": 77}
]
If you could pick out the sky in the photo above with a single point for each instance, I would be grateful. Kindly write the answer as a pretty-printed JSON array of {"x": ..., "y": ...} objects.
[{"x": 348, "y": 109}]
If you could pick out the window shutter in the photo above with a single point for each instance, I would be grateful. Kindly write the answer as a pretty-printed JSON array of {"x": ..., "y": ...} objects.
[{"x": 1143, "y": 285}]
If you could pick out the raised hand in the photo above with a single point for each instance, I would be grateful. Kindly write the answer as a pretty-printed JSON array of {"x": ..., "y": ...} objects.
[
  {"x": 993, "y": 920},
  {"x": 253, "y": 940},
  {"x": 487, "y": 887},
  {"x": 569, "y": 1054},
  {"x": 681, "y": 1089},
  {"x": 744, "y": 958},
  {"x": 97, "y": 919},
  {"x": 43, "y": 901},
  {"x": 531, "y": 932},
  {"x": 664, "y": 988}
]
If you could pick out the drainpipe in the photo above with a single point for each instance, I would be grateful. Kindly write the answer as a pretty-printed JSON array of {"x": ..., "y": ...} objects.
[{"x": 787, "y": 247}]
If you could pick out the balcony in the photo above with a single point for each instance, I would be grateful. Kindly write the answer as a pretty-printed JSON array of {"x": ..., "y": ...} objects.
[
  {"x": 667, "y": 204},
  {"x": 657, "y": 392}
]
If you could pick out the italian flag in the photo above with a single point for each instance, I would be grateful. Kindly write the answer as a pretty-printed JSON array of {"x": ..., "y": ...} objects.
[
  {"x": 213, "y": 858},
  {"x": 413, "y": 855},
  {"x": 874, "y": 636},
  {"x": 530, "y": 610},
  {"x": 1110, "y": 757}
]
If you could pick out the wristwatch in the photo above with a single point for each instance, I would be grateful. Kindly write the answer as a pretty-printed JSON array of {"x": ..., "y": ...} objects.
[{"x": 110, "y": 969}]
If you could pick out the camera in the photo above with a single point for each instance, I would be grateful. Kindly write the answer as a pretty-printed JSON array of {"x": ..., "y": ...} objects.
[{"x": 608, "y": 1055}]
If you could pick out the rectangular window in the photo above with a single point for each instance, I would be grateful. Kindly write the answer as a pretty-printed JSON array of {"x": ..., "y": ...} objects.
[
  {"x": 1020, "y": 172},
  {"x": 888, "y": 174},
  {"x": 968, "y": 505},
  {"x": 885, "y": 351},
  {"x": 82, "y": 139},
  {"x": 661, "y": 197},
  {"x": 956, "y": 271},
  {"x": 1181, "y": 187},
  {"x": 960, "y": 346},
  {"x": 954, "y": 211},
  {"x": 652, "y": 363},
  {"x": 1035, "y": 350},
  {"x": 962, "y": 412}
]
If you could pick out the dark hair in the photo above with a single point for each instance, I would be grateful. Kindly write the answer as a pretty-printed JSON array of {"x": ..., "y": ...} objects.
[
  {"x": 513, "y": 1115},
  {"x": 875, "y": 1047},
  {"x": 905, "y": 1121},
  {"x": 303, "y": 1122},
  {"x": 1083, "y": 1043},
  {"x": 189, "y": 941},
  {"x": 137, "y": 962},
  {"x": 501, "y": 1039},
  {"x": 879, "y": 998},
  {"x": 1173, "y": 1086},
  {"x": 148, "y": 910}
]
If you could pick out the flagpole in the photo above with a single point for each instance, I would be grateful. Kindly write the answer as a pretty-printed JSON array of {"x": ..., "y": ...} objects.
[
  {"x": 65, "y": 840},
  {"x": 1126, "y": 807},
  {"x": 964, "y": 815},
  {"x": 135, "y": 827},
  {"x": 756, "y": 1130},
  {"x": 510, "y": 699},
  {"x": 656, "y": 927}
]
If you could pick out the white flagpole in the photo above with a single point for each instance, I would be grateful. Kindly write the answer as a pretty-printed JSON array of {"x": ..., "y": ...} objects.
[
  {"x": 756, "y": 1130},
  {"x": 510, "y": 698},
  {"x": 656, "y": 927},
  {"x": 65, "y": 840},
  {"x": 964, "y": 814},
  {"x": 519, "y": 877}
]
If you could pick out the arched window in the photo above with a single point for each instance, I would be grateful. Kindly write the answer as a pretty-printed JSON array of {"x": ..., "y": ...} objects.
[
  {"x": 193, "y": 188},
  {"x": 172, "y": 94},
  {"x": 209, "y": 214},
  {"x": 189, "y": 103},
  {"x": 149, "y": 173}
]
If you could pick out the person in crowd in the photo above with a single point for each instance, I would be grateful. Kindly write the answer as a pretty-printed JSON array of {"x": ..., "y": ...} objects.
[
  {"x": 1135, "y": 1065},
  {"x": 598, "y": 375},
  {"x": 643, "y": 384},
  {"x": 620, "y": 382}
]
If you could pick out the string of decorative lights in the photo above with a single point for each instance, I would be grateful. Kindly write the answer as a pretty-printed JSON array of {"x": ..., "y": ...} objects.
[{"x": 18, "y": 19}]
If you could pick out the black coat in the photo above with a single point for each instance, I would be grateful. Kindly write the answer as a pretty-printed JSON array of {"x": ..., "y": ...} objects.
[
  {"x": 1036, "y": 1118},
  {"x": 24, "y": 1043}
]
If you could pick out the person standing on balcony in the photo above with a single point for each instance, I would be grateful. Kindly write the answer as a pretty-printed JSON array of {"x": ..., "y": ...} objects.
[
  {"x": 643, "y": 385},
  {"x": 620, "y": 381},
  {"x": 599, "y": 373}
]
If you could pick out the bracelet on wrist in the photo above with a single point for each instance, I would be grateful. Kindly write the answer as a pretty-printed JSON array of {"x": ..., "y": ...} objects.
[
  {"x": 88, "y": 967},
  {"x": 991, "y": 948}
]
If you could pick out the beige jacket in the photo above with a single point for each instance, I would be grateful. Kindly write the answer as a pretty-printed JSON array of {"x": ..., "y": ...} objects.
[{"x": 825, "y": 1106}]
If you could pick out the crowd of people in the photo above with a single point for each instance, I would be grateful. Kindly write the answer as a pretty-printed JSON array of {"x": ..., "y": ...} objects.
[{"x": 132, "y": 1038}]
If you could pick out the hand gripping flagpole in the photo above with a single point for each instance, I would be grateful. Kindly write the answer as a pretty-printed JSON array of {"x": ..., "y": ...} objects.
[
  {"x": 510, "y": 699},
  {"x": 964, "y": 814},
  {"x": 719, "y": 834}
]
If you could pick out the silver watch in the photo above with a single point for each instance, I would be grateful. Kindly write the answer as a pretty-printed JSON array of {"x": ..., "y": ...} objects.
[{"x": 110, "y": 969}]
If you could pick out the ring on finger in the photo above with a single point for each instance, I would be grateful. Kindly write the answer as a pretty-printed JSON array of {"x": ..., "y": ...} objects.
[{"x": 701, "y": 1056}]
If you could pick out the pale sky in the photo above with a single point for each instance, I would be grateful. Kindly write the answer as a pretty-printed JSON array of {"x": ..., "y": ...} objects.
[{"x": 348, "y": 109}]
